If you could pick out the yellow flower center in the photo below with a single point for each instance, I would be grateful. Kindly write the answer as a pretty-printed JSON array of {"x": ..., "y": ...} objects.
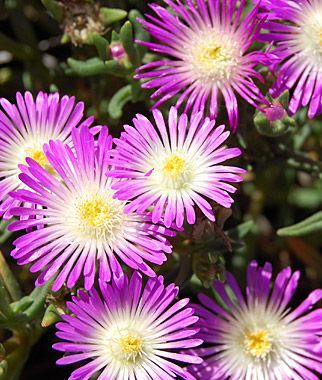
[
  {"x": 38, "y": 155},
  {"x": 174, "y": 166},
  {"x": 131, "y": 346},
  {"x": 320, "y": 35},
  {"x": 213, "y": 55},
  {"x": 99, "y": 216},
  {"x": 94, "y": 212},
  {"x": 258, "y": 344}
]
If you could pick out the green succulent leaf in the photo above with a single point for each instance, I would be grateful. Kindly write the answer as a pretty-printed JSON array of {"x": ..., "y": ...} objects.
[
  {"x": 55, "y": 9},
  {"x": 21, "y": 305},
  {"x": 140, "y": 33},
  {"x": 241, "y": 230},
  {"x": 93, "y": 66},
  {"x": 115, "y": 37},
  {"x": 307, "y": 197},
  {"x": 9, "y": 280},
  {"x": 307, "y": 226},
  {"x": 101, "y": 45},
  {"x": 112, "y": 15},
  {"x": 38, "y": 295},
  {"x": 127, "y": 39},
  {"x": 51, "y": 316},
  {"x": 118, "y": 101},
  {"x": 5, "y": 310},
  {"x": 114, "y": 68}
]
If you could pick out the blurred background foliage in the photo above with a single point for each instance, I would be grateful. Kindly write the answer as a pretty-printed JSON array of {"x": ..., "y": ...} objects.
[{"x": 86, "y": 48}]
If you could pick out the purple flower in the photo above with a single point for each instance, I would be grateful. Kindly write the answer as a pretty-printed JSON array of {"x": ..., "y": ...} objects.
[
  {"x": 260, "y": 337},
  {"x": 174, "y": 167},
  {"x": 85, "y": 228},
  {"x": 129, "y": 332},
  {"x": 296, "y": 28},
  {"x": 207, "y": 47},
  {"x": 25, "y": 128}
]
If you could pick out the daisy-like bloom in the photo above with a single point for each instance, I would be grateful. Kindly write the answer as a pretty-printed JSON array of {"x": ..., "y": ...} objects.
[
  {"x": 25, "y": 127},
  {"x": 129, "y": 332},
  {"x": 260, "y": 338},
  {"x": 174, "y": 167},
  {"x": 84, "y": 227},
  {"x": 206, "y": 44},
  {"x": 296, "y": 28}
]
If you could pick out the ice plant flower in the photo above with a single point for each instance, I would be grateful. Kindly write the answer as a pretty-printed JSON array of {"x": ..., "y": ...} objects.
[
  {"x": 296, "y": 28},
  {"x": 130, "y": 331},
  {"x": 206, "y": 44},
  {"x": 260, "y": 337},
  {"x": 84, "y": 227},
  {"x": 25, "y": 127},
  {"x": 174, "y": 167}
]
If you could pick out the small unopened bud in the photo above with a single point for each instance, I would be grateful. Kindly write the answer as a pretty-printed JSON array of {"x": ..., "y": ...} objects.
[
  {"x": 273, "y": 120},
  {"x": 118, "y": 52},
  {"x": 274, "y": 113}
]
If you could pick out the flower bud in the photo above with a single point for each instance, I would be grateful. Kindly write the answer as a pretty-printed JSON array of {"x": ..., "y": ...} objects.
[
  {"x": 273, "y": 120},
  {"x": 118, "y": 52}
]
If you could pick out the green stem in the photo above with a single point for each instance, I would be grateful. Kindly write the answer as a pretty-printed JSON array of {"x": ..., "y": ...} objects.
[{"x": 9, "y": 280}]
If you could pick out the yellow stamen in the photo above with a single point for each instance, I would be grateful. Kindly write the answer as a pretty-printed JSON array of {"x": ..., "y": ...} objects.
[
  {"x": 258, "y": 344},
  {"x": 131, "y": 346},
  {"x": 320, "y": 35},
  {"x": 213, "y": 55},
  {"x": 98, "y": 216},
  {"x": 174, "y": 166},
  {"x": 39, "y": 156},
  {"x": 94, "y": 212}
]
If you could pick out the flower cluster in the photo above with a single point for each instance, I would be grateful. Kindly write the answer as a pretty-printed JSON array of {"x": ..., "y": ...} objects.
[
  {"x": 92, "y": 208},
  {"x": 83, "y": 226}
]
